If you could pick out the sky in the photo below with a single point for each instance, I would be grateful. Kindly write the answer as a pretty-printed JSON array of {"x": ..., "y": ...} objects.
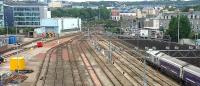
[
  {"x": 102, "y": 0},
  {"x": 108, "y": 0}
]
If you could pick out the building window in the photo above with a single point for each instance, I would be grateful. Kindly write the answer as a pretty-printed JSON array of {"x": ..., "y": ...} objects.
[{"x": 195, "y": 16}]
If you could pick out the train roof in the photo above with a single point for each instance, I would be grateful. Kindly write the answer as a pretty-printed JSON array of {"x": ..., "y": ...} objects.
[
  {"x": 173, "y": 61},
  {"x": 156, "y": 53},
  {"x": 192, "y": 69},
  {"x": 161, "y": 54},
  {"x": 153, "y": 52}
]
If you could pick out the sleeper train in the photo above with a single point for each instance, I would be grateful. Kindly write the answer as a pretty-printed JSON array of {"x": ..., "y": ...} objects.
[{"x": 187, "y": 73}]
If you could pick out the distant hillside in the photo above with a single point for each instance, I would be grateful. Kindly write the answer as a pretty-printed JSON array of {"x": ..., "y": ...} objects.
[{"x": 141, "y": 3}]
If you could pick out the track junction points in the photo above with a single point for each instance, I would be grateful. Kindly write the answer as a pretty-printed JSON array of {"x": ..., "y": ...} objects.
[{"x": 78, "y": 60}]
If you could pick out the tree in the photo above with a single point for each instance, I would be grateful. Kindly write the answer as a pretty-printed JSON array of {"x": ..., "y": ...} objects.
[
  {"x": 85, "y": 13},
  {"x": 111, "y": 24},
  {"x": 114, "y": 30},
  {"x": 2, "y": 31},
  {"x": 104, "y": 13},
  {"x": 184, "y": 28},
  {"x": 186, "y": 9}
]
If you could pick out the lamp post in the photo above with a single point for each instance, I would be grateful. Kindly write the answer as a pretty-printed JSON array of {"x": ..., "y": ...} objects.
[
  {"x": 110, "y": 51},
  {"x": 178, "y": 25},
  {"x": 7, "y": 28},
  {"x": 17, "y": 57}
]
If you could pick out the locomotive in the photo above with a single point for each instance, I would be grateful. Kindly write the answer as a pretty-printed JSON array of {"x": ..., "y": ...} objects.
[{"x": 180, "y": 70}]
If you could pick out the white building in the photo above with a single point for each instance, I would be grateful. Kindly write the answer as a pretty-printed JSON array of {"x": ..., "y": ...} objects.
[
  {"x": 152, "y": 26},
  {"x": 55, "y": 4},
  {"x": 59, "y": 25},
  {"x": 128, "y": 14},
  {"x": 150, "y": 11},
  {"x": 151, "y": 23},
  {"x": 139, "y": 13}
]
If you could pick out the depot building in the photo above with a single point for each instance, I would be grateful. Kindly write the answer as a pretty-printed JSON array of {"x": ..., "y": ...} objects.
[{"x": 59, "y": 26}]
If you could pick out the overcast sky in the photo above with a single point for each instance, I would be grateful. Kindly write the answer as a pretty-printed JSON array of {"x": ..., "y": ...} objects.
[
  {"x": 109, "y": 0},
  {"x": 104, "y": 0}
]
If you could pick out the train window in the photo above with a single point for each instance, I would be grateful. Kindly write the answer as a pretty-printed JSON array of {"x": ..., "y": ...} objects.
[
  {"x": 163, "y": 54},
  {"x": 157, "y": 53}
]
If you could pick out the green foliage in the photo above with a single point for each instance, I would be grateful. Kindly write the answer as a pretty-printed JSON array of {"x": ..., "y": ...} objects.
[
  {"x": 113, "y": 30},
  {"x": 111, "y": 24},
  {"x": 184, "y": 28},
  {"x": 196, "y": 8},
  {"x": 193, "y": 35},
  {"x": 85, "y": 13},
  {"x": 2, "y": 31},
  {"x": 169, "y": 9},
  {"x": 186, "y": 9}
]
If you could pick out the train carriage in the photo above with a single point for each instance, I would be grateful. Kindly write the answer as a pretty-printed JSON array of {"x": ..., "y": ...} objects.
[
  {"x": 152, "y": 56},
  {"x": 172, "y": 66},
  {"x": 191, "y": 75}
]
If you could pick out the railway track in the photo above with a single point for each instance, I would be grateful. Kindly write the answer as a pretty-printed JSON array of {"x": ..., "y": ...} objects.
[
  {"x": 151, "y": 71},
  {"x": 22, "y": 48},
  {"x": 114, "y": 75},
  {"x": 6, "y": 49},
  {"x": 134, "y": 65},
  {"x": 52, "y": 68},
  {"x": 76, "y": 63},
  {"x": 67, "y": 64},
  {"x": 134, "y": 74}
]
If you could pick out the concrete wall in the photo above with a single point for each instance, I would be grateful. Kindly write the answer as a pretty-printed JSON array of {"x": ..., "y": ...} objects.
[{"x": 70, "y": 23}]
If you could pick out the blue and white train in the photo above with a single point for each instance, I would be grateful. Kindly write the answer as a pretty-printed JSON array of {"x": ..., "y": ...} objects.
[{"x": 176, "y": 68}]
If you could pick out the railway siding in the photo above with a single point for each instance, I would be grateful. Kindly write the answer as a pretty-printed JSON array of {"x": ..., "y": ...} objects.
[
  {"x": 126, "y": 69},
  {"x": 103, "y": 78},
  {"x": 134, "y": 60},
  {"x": 76, "y": 77},
  {"x": 126, "y": 59},
  {"x": 119, "y": 75},
  {"x": 105, "y": 69},
  {"x": 68, "y": 80},
  {"x": 84, "y": 73},
  {"x": 77, "y": 63}
]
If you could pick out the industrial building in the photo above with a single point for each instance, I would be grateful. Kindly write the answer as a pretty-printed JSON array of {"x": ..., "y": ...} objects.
[
  {"x": 24, "y": 13},
  {"x": 59, "y": 25}
]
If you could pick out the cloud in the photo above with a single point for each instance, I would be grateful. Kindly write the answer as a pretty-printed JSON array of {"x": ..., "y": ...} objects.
[{"x": 102, "y": 0}]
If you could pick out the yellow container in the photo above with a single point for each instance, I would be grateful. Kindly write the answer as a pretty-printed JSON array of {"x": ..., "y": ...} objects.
[{"x": 17, "y": 63}]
